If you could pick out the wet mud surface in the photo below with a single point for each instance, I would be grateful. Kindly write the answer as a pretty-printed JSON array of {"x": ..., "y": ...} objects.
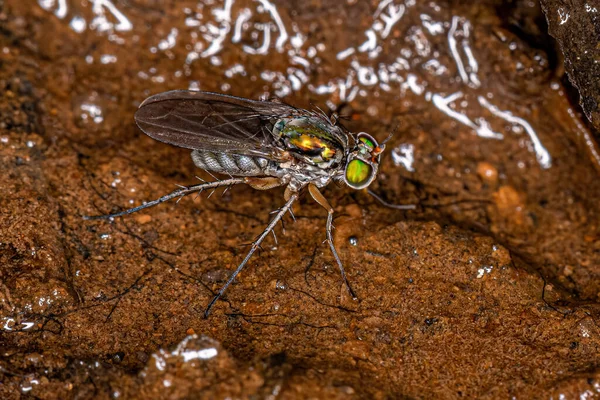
[{"x": 488, "y": 289}]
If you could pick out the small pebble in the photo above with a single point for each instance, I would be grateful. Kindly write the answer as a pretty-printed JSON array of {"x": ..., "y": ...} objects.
[
  {"x": 488, "y": 173},
  {"x": 143, "y": 218}
]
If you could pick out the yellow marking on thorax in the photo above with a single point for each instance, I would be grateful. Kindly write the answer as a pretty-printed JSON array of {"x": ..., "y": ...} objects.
[{"x": 307, "y": 143}]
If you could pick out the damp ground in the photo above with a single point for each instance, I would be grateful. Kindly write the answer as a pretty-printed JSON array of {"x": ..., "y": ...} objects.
[{"x": 489, "y": 288}]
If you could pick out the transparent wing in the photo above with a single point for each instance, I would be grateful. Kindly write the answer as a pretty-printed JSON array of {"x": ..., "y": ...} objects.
[{"x": 214, "y": 122}]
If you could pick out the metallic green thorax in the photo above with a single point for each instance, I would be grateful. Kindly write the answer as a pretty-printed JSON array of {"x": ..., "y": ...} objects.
[{"x": 310, "y": 139}]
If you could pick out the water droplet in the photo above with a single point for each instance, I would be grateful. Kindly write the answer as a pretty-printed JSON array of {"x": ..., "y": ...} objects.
[
  {"x": 281, "y": 285},
  {"x": 160, "y": 362},
  {"x": 194, "y": 347},
  {"x": 27, "y": 384},
  {"x": 118, "y": 357}
]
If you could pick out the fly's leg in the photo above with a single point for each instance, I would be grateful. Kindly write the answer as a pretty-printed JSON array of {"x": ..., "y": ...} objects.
[
  {"x": 177, "y": 193},
  {"x": 319, "y": 198},
  {"x": 263, "y": 183},
  {"x": 255, "y": 245},
  {"x": 390, "y": 205}
]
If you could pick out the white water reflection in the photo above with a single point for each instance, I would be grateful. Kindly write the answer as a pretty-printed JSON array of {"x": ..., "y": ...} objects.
[
  {"x": 59, "y": 7},
  {"x": 542, "y": 154},
  {"x": 404, "y": 155},
  {"x": 468, "y": 76},
  {"x": 104, "y": 11},
  {"x": 78, "y": 24},
  {"x": 482, "y": 128}
]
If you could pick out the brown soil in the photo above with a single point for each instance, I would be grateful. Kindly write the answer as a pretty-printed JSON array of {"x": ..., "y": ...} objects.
[{"x": 488, "y": 289}]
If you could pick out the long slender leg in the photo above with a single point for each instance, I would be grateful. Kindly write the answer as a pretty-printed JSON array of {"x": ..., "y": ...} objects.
[
  {"x": 319, "y": 198},
  {"x": 177, "y": 193},
  {"x": 390, "y": 205},
  {"x": 255, "y": 245}
]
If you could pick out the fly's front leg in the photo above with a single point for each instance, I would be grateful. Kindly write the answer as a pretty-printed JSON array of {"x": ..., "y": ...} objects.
[
  {"x": 177, "y": 193},
  {"x": 319, "y": 198}
]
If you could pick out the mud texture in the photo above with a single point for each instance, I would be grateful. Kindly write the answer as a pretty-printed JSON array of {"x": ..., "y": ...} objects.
[
  {"x": 488, "y": 289},
  {"x": 576, "y": 26}
]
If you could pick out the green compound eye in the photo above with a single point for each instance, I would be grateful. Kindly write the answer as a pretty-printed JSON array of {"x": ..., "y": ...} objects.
[
  {"x": 366, "y": 141},
  {"x": 358, "y": 173}
]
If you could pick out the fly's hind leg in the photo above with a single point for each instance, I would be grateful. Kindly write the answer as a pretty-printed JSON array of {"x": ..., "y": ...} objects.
[
  {"x": 177, "y": 193},
  {"x": 319, "y": 198},
  {"x": 255, "y": 245}
]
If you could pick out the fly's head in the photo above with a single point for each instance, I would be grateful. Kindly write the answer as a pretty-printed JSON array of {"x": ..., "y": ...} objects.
[{"x": 363, "y": 162}]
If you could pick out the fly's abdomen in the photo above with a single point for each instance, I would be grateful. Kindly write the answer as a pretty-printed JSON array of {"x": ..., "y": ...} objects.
[{"x": 233, "y": 164}]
